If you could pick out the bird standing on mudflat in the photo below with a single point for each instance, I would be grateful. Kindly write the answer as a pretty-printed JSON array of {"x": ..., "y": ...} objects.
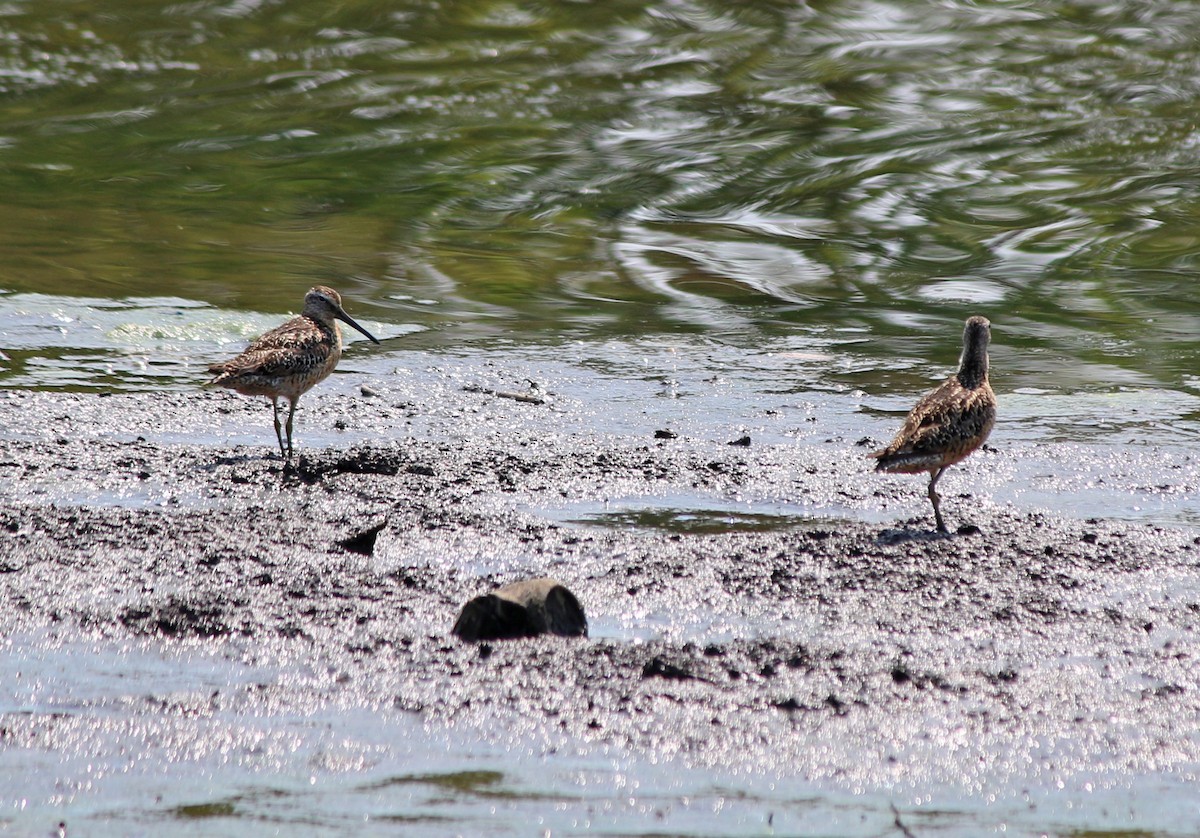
[
  {"x": 949, "y": 423},
  {"x": 289, "y": 360}
]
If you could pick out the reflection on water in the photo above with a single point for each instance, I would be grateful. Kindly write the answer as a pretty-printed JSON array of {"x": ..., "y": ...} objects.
[{"x": 564, "y": 169}]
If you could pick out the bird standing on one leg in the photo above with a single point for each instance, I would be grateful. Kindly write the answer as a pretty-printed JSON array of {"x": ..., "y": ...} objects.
[
  {"x": 289, "y": 360},
  {"x": 949, "y": 423}
]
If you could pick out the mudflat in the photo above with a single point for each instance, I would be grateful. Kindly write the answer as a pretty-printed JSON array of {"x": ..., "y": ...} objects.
[{"x": 1025, "y": 650}]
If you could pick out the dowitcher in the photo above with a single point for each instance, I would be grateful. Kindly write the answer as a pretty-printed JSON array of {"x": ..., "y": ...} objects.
[
  {"x": 949, "y": 423},
  {"x": 286, "y": 362}
]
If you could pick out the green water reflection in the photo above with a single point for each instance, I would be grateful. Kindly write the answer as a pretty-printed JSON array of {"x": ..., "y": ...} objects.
[{"x": 566, "y": 168}]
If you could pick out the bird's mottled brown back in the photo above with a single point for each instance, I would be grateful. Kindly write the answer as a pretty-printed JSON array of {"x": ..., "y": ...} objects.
[
  {"x": 944, "y": 427},
  {"x": 285, "y": 362}
]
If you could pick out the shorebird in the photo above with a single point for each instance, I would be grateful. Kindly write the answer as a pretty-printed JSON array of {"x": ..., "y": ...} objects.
[
  {"x": 286, "y": 362},
  {"x": 950, "y": 422}
]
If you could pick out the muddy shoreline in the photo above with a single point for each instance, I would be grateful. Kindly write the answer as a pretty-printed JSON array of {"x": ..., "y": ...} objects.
[{"x": 1035, "y": 651}]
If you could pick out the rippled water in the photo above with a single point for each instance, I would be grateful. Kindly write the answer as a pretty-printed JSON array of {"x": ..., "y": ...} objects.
[
  {"x": 755, "y": 172},
  {"x": 804, "y": 197}
]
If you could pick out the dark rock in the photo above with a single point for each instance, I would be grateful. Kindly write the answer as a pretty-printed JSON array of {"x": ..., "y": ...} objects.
[
  {"x": 743, "y": 441},
  {"x": 665, "y": 433},
  {"x": 363, "y": 542},
  {"x": 522, "y": 609}
]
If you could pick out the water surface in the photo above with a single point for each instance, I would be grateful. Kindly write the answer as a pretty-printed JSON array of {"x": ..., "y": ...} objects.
[{"x": 767, "y": 172}]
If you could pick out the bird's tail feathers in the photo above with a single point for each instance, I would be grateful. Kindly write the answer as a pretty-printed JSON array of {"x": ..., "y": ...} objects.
[{"x": 218, "y": 373}]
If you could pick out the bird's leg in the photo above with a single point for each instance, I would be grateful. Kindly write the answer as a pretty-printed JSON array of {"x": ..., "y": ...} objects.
[
  {"x": 935, "y": 499},
  {"x": 278, "y": 428},
  {"x": 291, "y": 414}
]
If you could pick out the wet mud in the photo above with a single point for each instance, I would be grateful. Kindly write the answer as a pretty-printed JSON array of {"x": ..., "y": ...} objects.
[{"x": 1025, "y": 649}]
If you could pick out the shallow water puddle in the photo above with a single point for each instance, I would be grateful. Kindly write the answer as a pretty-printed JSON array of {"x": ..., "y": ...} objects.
[{"x": 692, "y": 514}]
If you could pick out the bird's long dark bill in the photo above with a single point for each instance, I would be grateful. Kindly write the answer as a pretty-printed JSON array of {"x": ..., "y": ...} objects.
[{"x": 341, "y": 315}]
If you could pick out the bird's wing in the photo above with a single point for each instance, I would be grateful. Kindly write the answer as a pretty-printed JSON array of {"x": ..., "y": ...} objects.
[
  {"x": 281, "y": 351},
  {"x": 942, "y": 421}
]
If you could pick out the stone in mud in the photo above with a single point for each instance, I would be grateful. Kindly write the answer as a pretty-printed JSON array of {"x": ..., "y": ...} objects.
[
  {"x": 363, "y": 542},
  {"x": 522, "y": 609}
]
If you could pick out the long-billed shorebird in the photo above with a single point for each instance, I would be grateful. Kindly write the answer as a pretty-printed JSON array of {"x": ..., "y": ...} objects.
[
  {"x": 286, "y": 362},
  {"x": 949, "y": 423}
]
